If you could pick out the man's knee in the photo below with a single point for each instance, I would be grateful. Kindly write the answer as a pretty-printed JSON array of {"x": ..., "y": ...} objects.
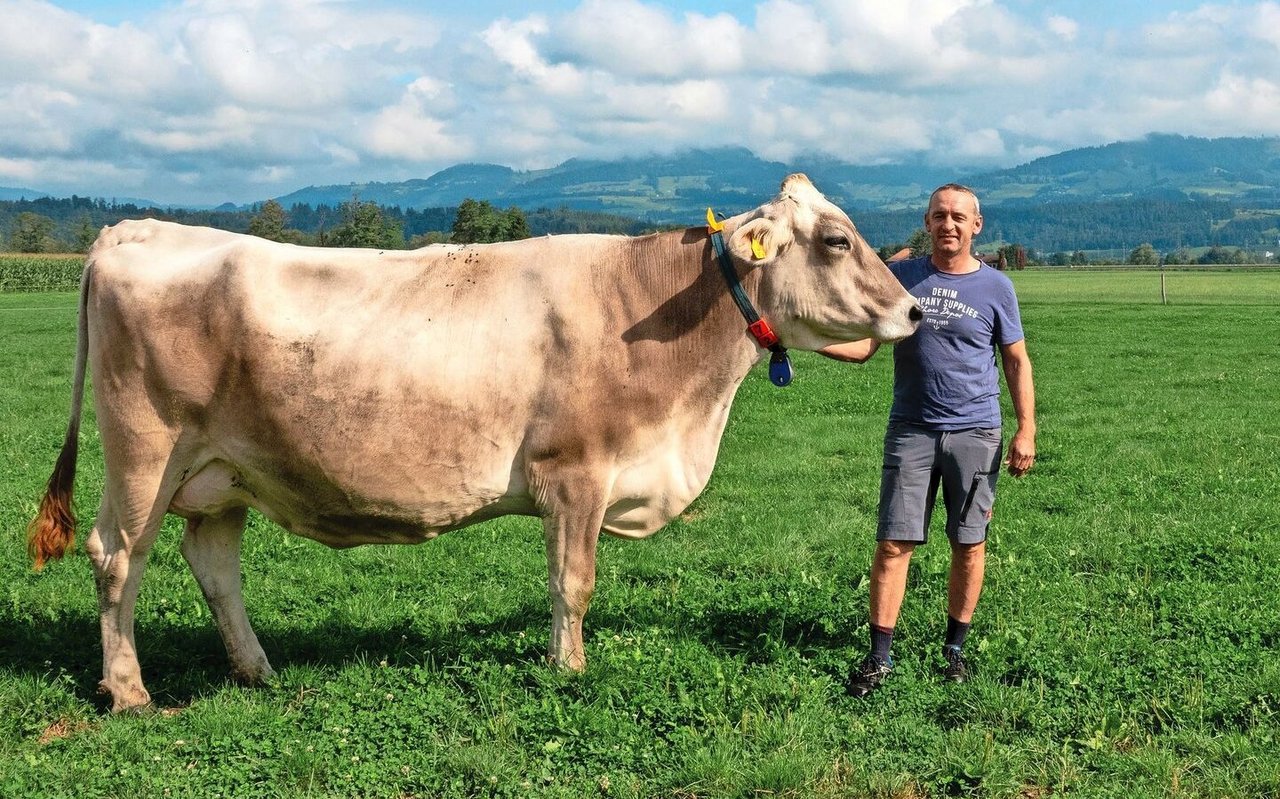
[
  {"x": 968, "y": 553},
  {"x": 895, "y": 549}
]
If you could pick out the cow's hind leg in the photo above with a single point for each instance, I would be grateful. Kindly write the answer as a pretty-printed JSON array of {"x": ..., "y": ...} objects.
[
  {"x": 211, "y": 545},
  {"x": 118, "y": 547},
  {"x": 571, "y": 525}
]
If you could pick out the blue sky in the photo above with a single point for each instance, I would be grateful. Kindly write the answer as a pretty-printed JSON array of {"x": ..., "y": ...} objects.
[{"x": 205, "y": 101}]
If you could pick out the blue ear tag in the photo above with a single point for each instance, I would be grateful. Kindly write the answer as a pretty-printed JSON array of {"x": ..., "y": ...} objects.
[{"x": 780, "y": 369}]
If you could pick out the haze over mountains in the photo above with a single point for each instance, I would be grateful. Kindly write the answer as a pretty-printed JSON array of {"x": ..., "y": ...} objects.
[{"x": 675, "y": 188}]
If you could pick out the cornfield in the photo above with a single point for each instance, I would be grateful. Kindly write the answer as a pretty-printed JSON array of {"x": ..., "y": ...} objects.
[{"x": 42, "y": 272}]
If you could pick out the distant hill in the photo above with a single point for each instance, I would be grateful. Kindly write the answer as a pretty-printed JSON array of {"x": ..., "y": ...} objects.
[
  {"x": 663, "y": 189},
  {"x": 11, "y": 194},
  {"x": 659, "y": 189},
  {"x": 1164, "y": 166}
]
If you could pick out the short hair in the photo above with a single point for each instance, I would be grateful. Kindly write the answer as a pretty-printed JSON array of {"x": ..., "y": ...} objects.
[{"x": 960, "y": 187}]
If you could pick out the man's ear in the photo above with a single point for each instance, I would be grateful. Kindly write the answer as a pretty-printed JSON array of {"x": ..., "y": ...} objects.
[{"x": 759, "y": 241}]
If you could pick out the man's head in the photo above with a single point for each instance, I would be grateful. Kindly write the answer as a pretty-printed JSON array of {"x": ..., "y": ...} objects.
[{"x": 952, "y": 220}]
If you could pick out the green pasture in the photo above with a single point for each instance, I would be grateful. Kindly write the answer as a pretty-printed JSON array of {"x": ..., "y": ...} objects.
[
  {"x": 1144, "y": 286},
  {"x": 1126, "y": 645}
]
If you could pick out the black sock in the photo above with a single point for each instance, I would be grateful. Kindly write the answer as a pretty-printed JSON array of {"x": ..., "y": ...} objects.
[
  {"x": 956, "y": 632},
  {"x": 881, "y": 641}
]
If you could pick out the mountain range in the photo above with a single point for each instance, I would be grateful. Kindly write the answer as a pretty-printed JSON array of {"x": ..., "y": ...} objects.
[
  {"x": 669, "y": 188},
  {"x": 662, "y": 189}
]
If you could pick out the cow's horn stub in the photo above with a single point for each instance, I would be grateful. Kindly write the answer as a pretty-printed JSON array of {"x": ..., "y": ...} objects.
[{"x": 796, "y": 181}]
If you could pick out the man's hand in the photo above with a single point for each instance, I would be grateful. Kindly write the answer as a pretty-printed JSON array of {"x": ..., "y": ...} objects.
[{"x": 1022, "y": 453}]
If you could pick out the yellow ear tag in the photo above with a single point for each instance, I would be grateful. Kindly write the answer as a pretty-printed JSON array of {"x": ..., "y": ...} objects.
[
  {"x": 757, "y": 248},
  {"x": 714, "y": 225}
]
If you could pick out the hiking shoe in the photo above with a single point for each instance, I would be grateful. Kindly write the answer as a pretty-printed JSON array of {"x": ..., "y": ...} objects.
[
  {"x": 868, "y": 675},
  {"x": 957, "y": 668}
]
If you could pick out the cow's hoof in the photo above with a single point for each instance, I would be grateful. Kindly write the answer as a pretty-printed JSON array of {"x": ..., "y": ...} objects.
[
  {"x": 574, "y": 662},
  {"x": 129, "y": 699},
  {"x": 259, "y": 674}
]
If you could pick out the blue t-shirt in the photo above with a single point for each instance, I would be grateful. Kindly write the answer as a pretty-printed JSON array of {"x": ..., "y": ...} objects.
[{"x": 944, "y": 375}]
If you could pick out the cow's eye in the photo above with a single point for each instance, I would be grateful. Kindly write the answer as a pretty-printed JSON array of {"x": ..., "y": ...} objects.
[{"x": 836, "y": 242}]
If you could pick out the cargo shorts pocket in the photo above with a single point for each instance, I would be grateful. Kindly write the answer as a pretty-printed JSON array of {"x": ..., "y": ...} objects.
[{"x": 979, "y": 502}]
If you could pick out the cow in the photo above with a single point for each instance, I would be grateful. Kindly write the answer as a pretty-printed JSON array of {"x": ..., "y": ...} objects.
[{"x": 362, "y": 396}]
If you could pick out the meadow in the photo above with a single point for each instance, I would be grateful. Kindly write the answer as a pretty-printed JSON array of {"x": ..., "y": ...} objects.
[{"x": 1126, "y": 644}]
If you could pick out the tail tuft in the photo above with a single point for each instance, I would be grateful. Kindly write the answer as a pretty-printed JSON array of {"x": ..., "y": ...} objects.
[{"x": 53, "y": 531}]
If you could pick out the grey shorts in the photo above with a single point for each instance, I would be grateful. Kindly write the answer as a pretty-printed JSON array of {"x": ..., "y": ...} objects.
[{"x": 916, "y": 460}]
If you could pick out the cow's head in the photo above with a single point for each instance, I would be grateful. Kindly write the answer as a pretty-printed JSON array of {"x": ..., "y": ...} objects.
[{"x": 820, "y": 282}]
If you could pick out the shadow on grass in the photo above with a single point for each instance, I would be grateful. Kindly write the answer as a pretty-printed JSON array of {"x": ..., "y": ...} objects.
[
  {"x": 185, "y": 660},
  {"x": 182, "y": 662}
]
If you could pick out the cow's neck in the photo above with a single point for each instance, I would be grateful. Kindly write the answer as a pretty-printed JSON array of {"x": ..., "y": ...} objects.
[{"x": 674, "y": 292}]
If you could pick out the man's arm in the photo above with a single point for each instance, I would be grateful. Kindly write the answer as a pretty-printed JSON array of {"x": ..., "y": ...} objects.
[
  {"x": 1017, "y": 374},
  {"x": 859, "y": 351}
]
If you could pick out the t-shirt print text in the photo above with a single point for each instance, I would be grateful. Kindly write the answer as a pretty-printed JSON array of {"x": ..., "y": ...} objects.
[{"x": 940, "y": 306}]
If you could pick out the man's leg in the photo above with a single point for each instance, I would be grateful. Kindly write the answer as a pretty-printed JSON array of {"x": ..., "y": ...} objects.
[
  {"x": 889, "y": 581},
  {"x": 971, "y": 464},
  {"x": 907, "y": 488},
  {"x": 968, "y": 565}
]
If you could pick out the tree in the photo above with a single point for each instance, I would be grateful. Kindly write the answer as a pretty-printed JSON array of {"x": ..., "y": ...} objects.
[
  {"x": 84, "y": 234},
  {"x": 514, "y": 225},
  {"x": 363, "y": 225},
  {"x": 920, "y": 243},
  {"x": 473, "y": 223},
  {"x": 479, "y": 222},
  {"x": 1060, "y": 259},
  {"x": 1078, "y": 258},
  {"x": 1223, "y": 255},
  {"x": 1015, "y": 256},
  {"x": 1178, "y": 257},
  {"x": 268, "y": 223},
  {"x": 32, "y": 233},
  {"x": 1144, "y": 255}
]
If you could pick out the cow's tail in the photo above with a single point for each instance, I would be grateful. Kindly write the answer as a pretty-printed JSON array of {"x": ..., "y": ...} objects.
[{"x": 53, "y": 531}]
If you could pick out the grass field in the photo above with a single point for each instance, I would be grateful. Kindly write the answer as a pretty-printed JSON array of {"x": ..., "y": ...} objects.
[
  {"x": 1142, "y": 287},
  {"x": 1126, "y": 644}
]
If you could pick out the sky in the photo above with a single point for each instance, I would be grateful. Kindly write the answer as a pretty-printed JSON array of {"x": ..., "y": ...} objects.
[{"x": 209, "y": 101}]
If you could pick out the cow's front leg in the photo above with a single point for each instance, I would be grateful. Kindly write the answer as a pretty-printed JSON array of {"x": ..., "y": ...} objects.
[
  {"x": 571, "y": 580},
  {"x": 571, "y": 524},
  {"x": 211, "y": 545}
]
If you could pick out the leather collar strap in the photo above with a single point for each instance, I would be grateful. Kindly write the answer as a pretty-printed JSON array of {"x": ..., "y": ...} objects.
[{"x": 780, "y": 371}]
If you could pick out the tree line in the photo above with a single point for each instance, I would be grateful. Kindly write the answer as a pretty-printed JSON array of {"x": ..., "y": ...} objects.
[{"x": 49, "y": 225}]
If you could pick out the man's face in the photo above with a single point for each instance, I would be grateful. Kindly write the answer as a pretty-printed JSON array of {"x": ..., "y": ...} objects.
[{"x": 952, "y": 221}]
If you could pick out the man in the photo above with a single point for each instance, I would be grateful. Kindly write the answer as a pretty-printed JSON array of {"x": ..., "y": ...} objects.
[{"x": 944, "y": 426}]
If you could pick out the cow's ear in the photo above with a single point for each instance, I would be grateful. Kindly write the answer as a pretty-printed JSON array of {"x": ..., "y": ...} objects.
[{"x": 759, "y": 241}]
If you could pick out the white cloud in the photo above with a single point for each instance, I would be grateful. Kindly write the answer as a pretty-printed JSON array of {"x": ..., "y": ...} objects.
[
  {"x": 1064, "y": 27},
  {"x": 1253, "y": 101},
  {"x": 411, "y": 129},
  {"x": 631, "y": 38},
  {"x": 258, "y": 97}
]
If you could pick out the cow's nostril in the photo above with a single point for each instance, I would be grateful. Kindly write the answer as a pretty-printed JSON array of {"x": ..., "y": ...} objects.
[{"x": 915, "y": 314}]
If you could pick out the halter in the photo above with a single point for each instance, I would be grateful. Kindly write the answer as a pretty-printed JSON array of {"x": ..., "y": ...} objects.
[{"x": 780, "y": 371}]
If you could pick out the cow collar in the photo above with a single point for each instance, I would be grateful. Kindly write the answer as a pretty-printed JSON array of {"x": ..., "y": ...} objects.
[{"x": 780, "y": 371}]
